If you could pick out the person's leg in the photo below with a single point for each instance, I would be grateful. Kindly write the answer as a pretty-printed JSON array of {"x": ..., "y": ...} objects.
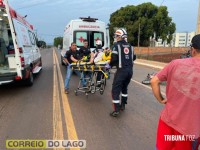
[
  {"x": 68, "y": 77},
  {"x": 197, "y": 144},
  {"x": 166, "y": 142},
  {"x": 116, "y": 90},
  {"x": 124, "y": 95},
  {"x": 81, "y": 76},
  {"x": 185, "y": 144},
  {"x": 163, "y": 133}
]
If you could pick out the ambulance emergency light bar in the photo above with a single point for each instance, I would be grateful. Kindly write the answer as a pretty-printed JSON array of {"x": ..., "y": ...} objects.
[{"x": 88, "y": 19}]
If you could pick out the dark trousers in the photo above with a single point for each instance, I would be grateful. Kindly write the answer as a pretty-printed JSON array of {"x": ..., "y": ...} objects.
[{"x": 121, "y": 81}]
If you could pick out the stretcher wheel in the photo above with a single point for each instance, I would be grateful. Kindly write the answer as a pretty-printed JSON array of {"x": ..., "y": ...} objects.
[
  {"x": 102, "y": 87},
  {"x": 94, "y": 83},
  {"x": 75, "y": 92},
  {"x": 92, "y": 91},
  {"x": 86, "y": 94}
]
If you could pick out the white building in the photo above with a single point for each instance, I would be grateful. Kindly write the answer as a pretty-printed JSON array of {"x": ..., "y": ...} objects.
[{"x": 182, "y": 39}]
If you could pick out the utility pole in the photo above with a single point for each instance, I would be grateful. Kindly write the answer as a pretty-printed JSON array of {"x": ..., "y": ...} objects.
[
  {"x": 198, "y": 20},
  {"x": 139, "y": 35}
]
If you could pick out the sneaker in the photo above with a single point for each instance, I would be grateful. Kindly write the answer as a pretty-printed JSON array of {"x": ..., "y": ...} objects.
[
  {"x": 114, "y": 113},
  {"x": 122, "y": 106},
  {"x": 66, "y": 91}
]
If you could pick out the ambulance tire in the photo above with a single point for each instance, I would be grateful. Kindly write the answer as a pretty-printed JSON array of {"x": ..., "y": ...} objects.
[{"x": 30, "y": 79}]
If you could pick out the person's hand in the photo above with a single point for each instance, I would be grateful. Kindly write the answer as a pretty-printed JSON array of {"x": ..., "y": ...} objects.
[
  {"x": 69, "y": 64},
  {"x": 107, "y": 66},
  {"x": 164, "y": 101}
]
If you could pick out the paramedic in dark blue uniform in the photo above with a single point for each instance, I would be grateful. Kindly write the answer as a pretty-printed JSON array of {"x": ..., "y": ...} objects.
[{"x": 122, "y": 57}]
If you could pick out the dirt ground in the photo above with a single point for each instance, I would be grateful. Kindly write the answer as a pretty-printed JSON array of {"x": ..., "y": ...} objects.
[{"x": 161, "y": 57}]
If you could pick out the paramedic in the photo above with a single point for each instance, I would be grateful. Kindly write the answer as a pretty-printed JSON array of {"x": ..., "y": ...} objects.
[{"x": 122, "y": 58}]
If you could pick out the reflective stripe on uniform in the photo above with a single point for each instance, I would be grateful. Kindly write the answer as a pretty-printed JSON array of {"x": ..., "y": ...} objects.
[
  {"x": 120, "y": 56},
  {"x": 114, "y": 52},
  {"x": 124, "y": 95},
  {"x": 132, "y": 51},
  {"x": 116, "y": 101}
]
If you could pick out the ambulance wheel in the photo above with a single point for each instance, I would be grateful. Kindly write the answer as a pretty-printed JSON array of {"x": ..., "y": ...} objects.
[{"x": 30, "y": 79}]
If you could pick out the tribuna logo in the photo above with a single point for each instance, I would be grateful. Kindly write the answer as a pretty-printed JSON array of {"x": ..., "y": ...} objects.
[{"x": 179, "y": 137}]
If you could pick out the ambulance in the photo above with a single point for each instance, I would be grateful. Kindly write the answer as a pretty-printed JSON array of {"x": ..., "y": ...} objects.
[
  {"x": 20, "y": 56},
  {"x": 85, "y": 28}
]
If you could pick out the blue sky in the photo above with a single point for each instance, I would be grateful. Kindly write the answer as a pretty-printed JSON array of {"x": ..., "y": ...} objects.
[{"x": 49, "y": 17}]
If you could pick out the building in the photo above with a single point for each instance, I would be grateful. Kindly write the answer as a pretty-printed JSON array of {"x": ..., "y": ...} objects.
[{"x": 182, "y": 39}]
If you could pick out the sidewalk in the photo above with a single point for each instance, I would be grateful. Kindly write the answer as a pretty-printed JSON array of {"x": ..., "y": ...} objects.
[{"x": 149, "y": 63}]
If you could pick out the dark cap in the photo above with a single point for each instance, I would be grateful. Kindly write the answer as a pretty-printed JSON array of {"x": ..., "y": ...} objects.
[{"x": 196, "y": 42}]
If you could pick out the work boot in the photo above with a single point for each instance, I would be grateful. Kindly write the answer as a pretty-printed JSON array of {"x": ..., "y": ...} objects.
[
  {"x": 116, "y": 107},
  {"x": 114, "y": 113},
  {"x": 122, "y": 106},
  {"x": 66, "y": 91},
  {"x": 123, "y": 103}
]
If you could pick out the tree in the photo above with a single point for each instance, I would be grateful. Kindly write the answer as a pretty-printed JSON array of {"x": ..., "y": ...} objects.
[
  {"x": 41, "y": 44},
  {"x": 152, "y": 21},
  {"x": 58, "y": 41}
]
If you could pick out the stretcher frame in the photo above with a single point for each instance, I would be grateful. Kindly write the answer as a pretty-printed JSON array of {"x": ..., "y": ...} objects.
[{"x": 92, "y": 85}]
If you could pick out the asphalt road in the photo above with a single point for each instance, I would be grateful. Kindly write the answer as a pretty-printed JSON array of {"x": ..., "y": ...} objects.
[{"x": 43, "y": 111}]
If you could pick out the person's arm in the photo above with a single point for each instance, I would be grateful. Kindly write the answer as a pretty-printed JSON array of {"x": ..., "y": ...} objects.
[
  {"x": 114, "y": 56},
  {"x": 73, "y": 59},
  {"x": 99, "y": 57},
  {"x": 92, "y": 56},
  {"x": 65, "y": 57},
  {"x": 155, "y": 84}
]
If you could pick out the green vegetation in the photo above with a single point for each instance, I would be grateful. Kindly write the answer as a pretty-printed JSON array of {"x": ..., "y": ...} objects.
[
  {"x": 151, "y": 20},
  {"x": 58, "y": 41},
  {"x": 41, "y": 44}
]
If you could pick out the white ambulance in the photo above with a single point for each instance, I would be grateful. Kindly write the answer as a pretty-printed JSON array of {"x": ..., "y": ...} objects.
[
  {"x": 20, "y": 57},
  {"x": 85, "y": 28}
]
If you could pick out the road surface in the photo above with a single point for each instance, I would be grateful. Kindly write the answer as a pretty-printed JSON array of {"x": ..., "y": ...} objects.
[{"x": 44, "y": 111}]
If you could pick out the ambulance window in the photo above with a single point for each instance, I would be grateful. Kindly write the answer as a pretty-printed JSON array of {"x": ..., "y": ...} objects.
[
  {"x": 32, "y": 37},
  {"x": 4, "y": 30},
  {"x": 94, "y": 36},
  {"x": 79, "y": 37}
]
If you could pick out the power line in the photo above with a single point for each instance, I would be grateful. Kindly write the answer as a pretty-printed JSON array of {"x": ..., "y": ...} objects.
[
  {"x": 162, "y": 2},
  {"x": 33, "y": 5},
  {"x": 30, "y": 6}
]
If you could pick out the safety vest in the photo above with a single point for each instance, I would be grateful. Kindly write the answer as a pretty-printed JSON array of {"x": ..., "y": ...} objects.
[{"x": 106, "y": 57}]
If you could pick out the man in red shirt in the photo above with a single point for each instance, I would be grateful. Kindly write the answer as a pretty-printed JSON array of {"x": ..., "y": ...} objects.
[{"x": 179, "y": 124}]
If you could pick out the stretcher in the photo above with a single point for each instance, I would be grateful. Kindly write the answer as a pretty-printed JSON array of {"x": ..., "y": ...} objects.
[{"x": 94, "y": 76}]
